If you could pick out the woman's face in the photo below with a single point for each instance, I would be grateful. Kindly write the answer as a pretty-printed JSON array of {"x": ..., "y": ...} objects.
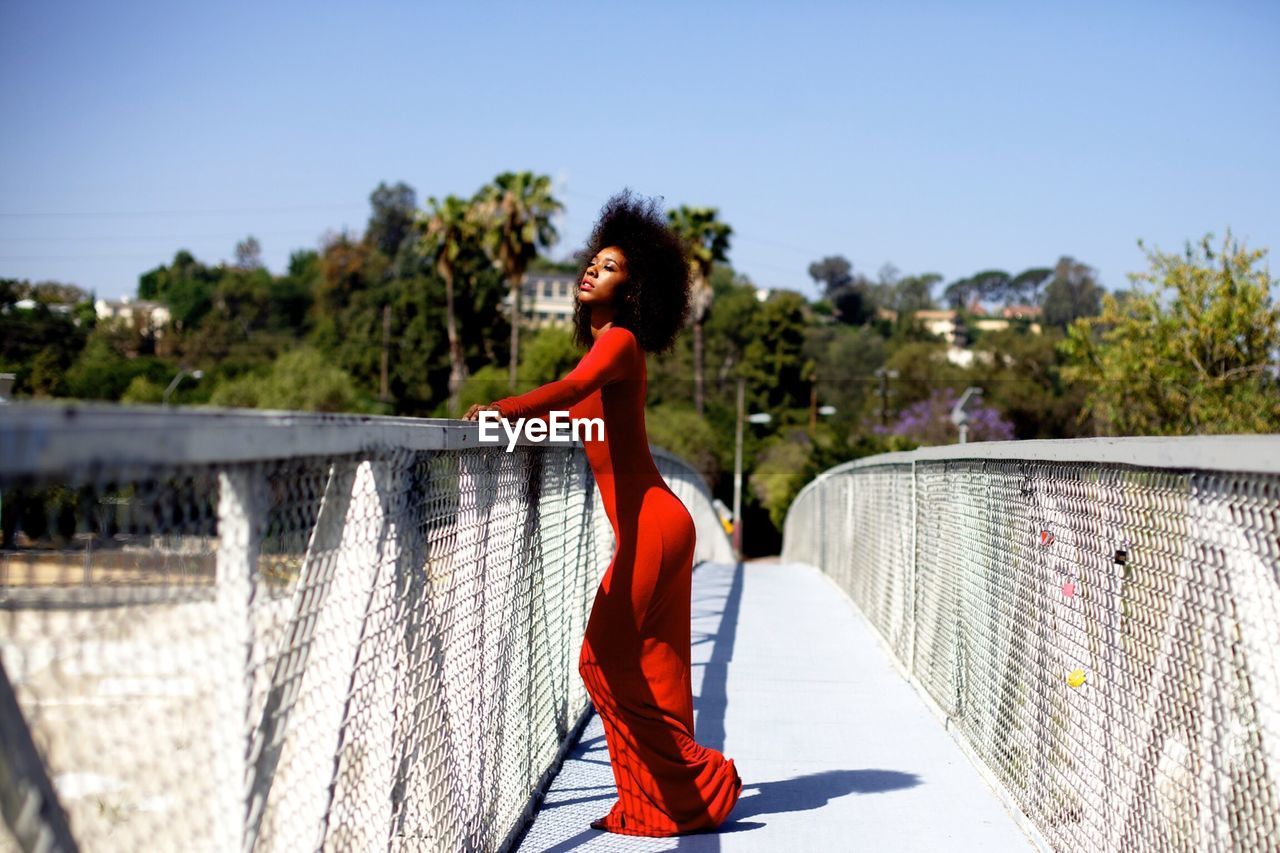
[{"x": 606, "y": 273}]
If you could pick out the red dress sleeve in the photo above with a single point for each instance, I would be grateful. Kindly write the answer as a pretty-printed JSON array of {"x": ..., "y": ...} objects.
[{"x": 612, "y": 357}]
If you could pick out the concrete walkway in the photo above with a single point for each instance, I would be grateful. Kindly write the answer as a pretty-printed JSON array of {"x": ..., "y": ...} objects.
[{"x": 837, "y": 752}]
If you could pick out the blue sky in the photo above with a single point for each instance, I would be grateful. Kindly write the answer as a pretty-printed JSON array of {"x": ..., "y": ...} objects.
[{"x": 945, "y": 137}]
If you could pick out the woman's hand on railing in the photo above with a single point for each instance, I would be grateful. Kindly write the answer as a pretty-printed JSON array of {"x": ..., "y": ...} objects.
[{"x": 473, "y": 413}]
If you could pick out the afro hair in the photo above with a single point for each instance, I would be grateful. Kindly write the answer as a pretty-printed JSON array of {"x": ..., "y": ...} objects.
[{"x": 655, "y": 302}]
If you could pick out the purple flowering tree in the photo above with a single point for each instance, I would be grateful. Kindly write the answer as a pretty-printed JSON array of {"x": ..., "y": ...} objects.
[{"x": 929, "y": 421}]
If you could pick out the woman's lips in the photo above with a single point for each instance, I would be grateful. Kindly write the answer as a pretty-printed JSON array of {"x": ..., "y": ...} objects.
[{"x": 586, "y": 285}]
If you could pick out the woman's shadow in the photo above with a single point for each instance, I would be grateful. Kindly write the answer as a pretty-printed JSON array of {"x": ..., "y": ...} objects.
[{"x": 812, "y": 791}]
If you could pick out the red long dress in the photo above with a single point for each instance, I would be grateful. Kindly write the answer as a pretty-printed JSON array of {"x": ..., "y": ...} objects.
[{"x": 635, "y": 655}]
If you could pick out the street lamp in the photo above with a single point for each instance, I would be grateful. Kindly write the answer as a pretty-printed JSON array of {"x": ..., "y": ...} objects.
[
  {"x": 755, "y": 418},
  {"x": 959, "y": 416},
  {"x": 194, "y": 374}
]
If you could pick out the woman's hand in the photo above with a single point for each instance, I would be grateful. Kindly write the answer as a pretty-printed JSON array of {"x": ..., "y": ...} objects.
[{"x": 473, "y": 413}]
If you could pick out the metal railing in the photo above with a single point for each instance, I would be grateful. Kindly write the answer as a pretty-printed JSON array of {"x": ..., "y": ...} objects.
[
  {"x": 270, "y": 631},
  {"x": 1097, "y": 620}
]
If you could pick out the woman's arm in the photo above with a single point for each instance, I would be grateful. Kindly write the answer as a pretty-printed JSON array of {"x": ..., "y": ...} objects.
[{"x": 611, "y": 357}]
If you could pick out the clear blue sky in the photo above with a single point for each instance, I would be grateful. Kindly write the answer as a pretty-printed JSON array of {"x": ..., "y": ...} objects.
[{"x": 946, "y": 137}]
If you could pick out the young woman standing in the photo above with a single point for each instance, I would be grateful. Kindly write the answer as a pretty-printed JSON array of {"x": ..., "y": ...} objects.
[{"x": 632, "y": 298}]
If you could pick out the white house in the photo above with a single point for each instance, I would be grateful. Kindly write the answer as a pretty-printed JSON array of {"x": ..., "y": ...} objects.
[
  {"x": 546, "y": 298},
  {"x": 150, "y": 317}
]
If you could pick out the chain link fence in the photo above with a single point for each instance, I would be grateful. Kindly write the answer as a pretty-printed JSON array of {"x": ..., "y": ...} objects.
[
  {"x": 1097, "y": 620},
  {"x": 279, "y": 632}
]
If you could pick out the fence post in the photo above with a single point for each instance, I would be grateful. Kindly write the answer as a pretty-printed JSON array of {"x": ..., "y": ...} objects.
[
  {"x": 241, "y": 509},
  {"x": 912, "y": 572}
]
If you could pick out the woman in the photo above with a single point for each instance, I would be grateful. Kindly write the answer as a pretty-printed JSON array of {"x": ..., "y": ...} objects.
[{"x": 632, "y": 298}]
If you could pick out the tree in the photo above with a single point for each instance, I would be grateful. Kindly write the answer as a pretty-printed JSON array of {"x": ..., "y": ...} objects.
[
  {"x": 447, "y": 227},
  {"x": 832, "y": 272},
  {"x": 985, "y": 286},
  {"x": 549, "y": 353},
  {"x": 1072, "y": 293},
  {"x": 928, "y": 421},
  {"x": 249, "y": 254},
  {"x": 185, "y": 285},
  {"x": 844, "y": 360},
  {"x": 1194, "y": 348},
  {"x": 677, "y": 428},
  {"x": 774, "y": 357},
  {"x": 779, "y": 472},
  {"x": 706, "y": 239},
  {"x": 392, "y": 218},
  {"x": 1024, "y": 288},
  {"x": 851, "y": 295},
  {"x": 37, "y": 344},
  {"x": 913, "y": 293},
  {"x": 517, "y": 208},
  {"x": 1022, "y": 375},
  {"x": 301, "y": 380}
]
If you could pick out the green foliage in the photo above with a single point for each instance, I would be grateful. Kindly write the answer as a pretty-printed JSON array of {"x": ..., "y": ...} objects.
[
  {"x": 391, "y": 220},
  {"x": 517, "y": 209},
  {"x": 1072, "y": 293},
  {"x": 544, "y": 265},
  {"x": 142, "y": 390},
  {"x": 104, "y": 369},
  {"x": 705, "y": 236},
  {"x": 300, "y": 380},
  {"x": 1191, "y": 349},
  {"x": 706, "y": 239},
  {"x": 678, "y": 429},
  {"x": 185, "y": 285},
  {"x": 851, "y": 295},
  {"x": 1021, "y": 375},
  {"x": 548, "y": 355},
  {"x": 911, "y": 293},
  {"x": 249, "y": 254},
  {"x": 780, "y": 472},
  {"x": 773, "y": 358},
  {"x": 37, "y": 344},
  {"x": 843, "y": 361}
]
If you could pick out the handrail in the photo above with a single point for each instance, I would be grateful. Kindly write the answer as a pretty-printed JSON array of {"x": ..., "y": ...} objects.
[
  {"x": 1096, "y": 620},
  {"x": 254, "y": 631}
]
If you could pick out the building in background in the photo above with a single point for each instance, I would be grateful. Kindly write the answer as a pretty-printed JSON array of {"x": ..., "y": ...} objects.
[
  {"x": 546, "y": 299},
  {"x": 148, "y": 317}
]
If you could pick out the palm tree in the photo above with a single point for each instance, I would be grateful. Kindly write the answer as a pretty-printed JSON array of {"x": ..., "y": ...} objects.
[
  {"x": 707, "y": 241},
  {"x": 447, "y": 226},
  {"x": 517, "y": 208}
]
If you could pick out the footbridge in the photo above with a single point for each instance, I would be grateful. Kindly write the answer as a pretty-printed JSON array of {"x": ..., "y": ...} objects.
[{"x": 271, "y": 631}]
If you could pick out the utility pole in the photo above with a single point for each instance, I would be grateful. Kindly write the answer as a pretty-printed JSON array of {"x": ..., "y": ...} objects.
[
  {"x": 884, "y": 399},
  {"x": 885, "y": 376},
  {"x": 386, "y": 351},
  {"x": 813, "y": 404},
  {"x": 737, "y": 473}
]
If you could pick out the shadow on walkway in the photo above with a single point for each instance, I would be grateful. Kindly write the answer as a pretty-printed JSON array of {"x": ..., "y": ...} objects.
[{"x": 816, "y": 790}]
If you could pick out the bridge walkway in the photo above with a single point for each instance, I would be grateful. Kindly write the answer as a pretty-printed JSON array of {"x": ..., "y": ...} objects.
[{"x": 837, "y": 751}]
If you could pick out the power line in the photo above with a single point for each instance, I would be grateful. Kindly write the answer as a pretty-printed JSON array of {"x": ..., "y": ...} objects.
[
  {"x": 206, "y": 212},
  {"x": 82, "y": 239},
  {"x": 92, "y": 257}
]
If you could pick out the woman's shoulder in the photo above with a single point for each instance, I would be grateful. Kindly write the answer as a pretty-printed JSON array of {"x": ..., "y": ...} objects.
[
  {"x": 618, "y": 336},
  {"x": 623, "y": 333}
]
